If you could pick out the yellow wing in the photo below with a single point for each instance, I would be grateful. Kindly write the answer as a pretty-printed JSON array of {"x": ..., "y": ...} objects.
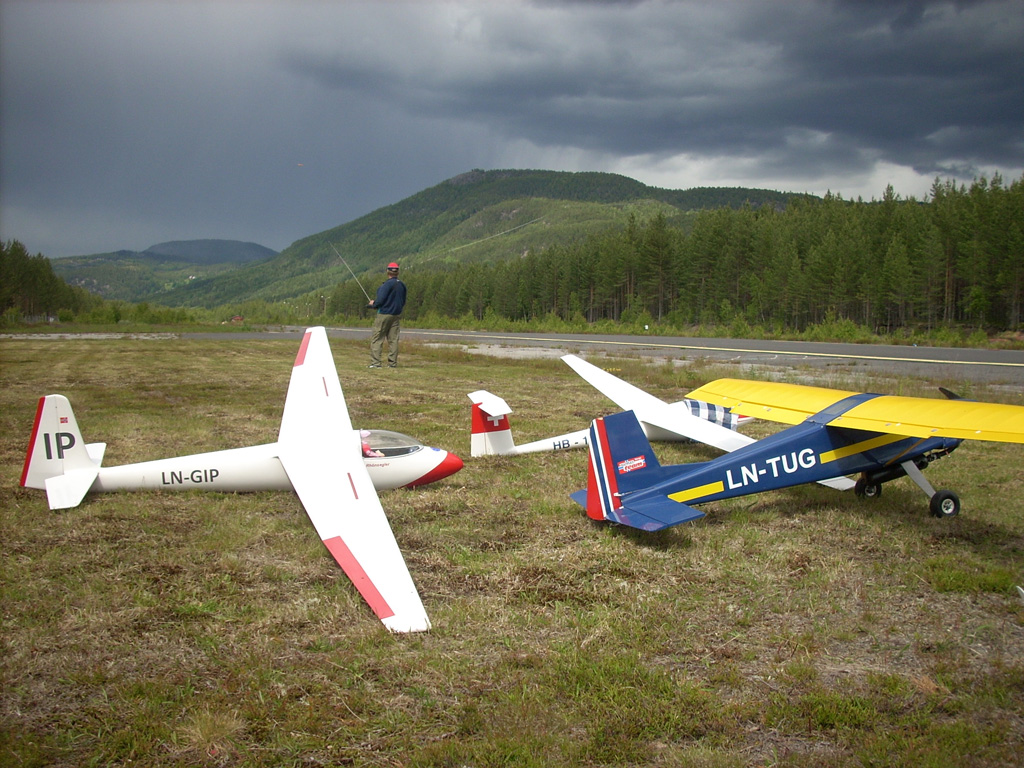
[
  {"x": 786, "y": 403},
  {"x": 925, "y": 417},
  {"x": 910, "y": 416}
]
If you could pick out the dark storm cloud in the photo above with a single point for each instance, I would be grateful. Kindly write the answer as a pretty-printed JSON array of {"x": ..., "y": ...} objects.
[
  {"x": 921, "y": 84},
  {"x": 122, "y": 124},
  {"x": 916, "y": 84}
]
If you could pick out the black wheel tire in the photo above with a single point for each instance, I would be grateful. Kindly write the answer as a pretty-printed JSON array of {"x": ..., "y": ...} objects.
[
  {"x": 867, "y": 490},
  {"x": 944, "y": 504}
]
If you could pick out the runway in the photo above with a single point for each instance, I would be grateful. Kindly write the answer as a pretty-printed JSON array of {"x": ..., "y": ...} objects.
[
  {"x": 940, "y": 363},
  {"x": 994, "y": 367}
]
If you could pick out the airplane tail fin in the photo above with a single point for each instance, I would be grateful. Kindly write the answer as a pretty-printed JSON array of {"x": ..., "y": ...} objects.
[
  {"x": 622, "y": 463},
  {"x": 58, "y": 459},
  {"x": 492, "y": 435}
]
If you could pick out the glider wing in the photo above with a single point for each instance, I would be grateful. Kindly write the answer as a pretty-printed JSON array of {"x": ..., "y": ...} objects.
[
  {"x": 321, "y": 454},
  {"x": 620, "y": 392},
  {"x": 651, "y": 410}
]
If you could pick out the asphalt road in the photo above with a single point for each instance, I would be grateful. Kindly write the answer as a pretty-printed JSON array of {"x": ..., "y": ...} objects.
[{"x": 999, "y": 367}]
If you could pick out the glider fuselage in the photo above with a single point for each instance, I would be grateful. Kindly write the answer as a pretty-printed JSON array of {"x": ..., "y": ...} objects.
[{"x": 258, "y": 468}]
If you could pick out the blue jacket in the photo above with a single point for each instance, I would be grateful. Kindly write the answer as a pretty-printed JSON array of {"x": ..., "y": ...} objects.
[{"x": 390, "y": 297}]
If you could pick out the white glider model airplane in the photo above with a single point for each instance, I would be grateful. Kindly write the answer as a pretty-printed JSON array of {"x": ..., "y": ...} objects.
[
  {"x": 334, "y": 469},
  {"x": 689, "y": 420},
  {"x": 686, "y": 420}
]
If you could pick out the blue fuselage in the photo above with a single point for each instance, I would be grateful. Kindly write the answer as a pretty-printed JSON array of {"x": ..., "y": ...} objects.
[{"x": 805, "y": 453}]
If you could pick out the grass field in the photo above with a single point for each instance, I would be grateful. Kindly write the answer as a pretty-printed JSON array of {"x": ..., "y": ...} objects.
[{"x": 796, "y": 628}]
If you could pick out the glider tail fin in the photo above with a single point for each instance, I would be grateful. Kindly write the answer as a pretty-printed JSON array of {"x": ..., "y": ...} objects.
[
  {"x": 492, "y": 434},
  {"x": 58, "y": 459}
]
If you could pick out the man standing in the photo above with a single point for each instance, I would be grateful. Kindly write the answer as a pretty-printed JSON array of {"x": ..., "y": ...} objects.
[{"x": 389, "y": 304}]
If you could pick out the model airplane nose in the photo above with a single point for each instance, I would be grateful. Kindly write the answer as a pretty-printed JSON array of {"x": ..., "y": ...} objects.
[{"x": 449, "y": 465}]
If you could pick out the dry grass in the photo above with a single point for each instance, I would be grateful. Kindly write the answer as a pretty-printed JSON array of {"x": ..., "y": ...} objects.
[{"x": 803, "y": 627}]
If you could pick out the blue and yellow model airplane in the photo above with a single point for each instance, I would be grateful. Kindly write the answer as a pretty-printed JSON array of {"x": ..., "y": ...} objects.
[{"x": 833, "y": 433}]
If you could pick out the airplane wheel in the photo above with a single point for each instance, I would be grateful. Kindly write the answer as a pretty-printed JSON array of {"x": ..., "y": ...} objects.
[
  {"x": 944, "y": 504},
  {"x": 867, "y": 490}
]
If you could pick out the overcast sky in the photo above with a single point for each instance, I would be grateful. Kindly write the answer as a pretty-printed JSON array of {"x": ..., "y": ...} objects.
[{"x": 126, "y": 123}]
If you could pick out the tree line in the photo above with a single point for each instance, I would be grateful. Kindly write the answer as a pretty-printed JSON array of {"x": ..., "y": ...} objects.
[
  {"x": 29, "y": 288},
  {"x": 30, "y": 291},
  {"x": 956, "y": 259}
]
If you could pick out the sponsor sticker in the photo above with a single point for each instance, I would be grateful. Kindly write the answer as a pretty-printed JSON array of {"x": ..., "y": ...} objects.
[{"x": 631, "y": 465}]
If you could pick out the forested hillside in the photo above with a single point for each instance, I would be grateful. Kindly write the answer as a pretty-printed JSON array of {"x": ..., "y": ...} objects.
[
  {"x": 893, "y": 263},
  {"x": 480, "y": 217},
  {"x": 138, "y": 275},
  {"x": 952, "y": 261},
  {"x": 30, "y": 288}
]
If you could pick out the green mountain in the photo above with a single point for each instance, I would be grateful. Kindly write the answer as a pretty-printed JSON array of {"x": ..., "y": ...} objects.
[
  {"x": 480, "y": 216},
  {"x": 138, "y": 275},
  {"x": 210, "y": 252}
]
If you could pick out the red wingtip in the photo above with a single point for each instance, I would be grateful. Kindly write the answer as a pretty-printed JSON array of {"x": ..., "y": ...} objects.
[
  {"x": 352, "y": 567},
  {"x": 300, "y": 358}
]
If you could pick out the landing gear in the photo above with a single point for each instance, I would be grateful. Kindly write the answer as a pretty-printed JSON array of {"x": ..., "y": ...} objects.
[
  {"x": 866, "y": 489},
  {"x": 944, "y": 504},
  {"x": 941, "y": 504}
]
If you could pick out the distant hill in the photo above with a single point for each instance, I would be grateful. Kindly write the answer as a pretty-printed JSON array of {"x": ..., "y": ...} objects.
[
  {"x": 210, "y": 251},
  {"x": 138, "y": 275},
  {"x": 479, "y": 216}
]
